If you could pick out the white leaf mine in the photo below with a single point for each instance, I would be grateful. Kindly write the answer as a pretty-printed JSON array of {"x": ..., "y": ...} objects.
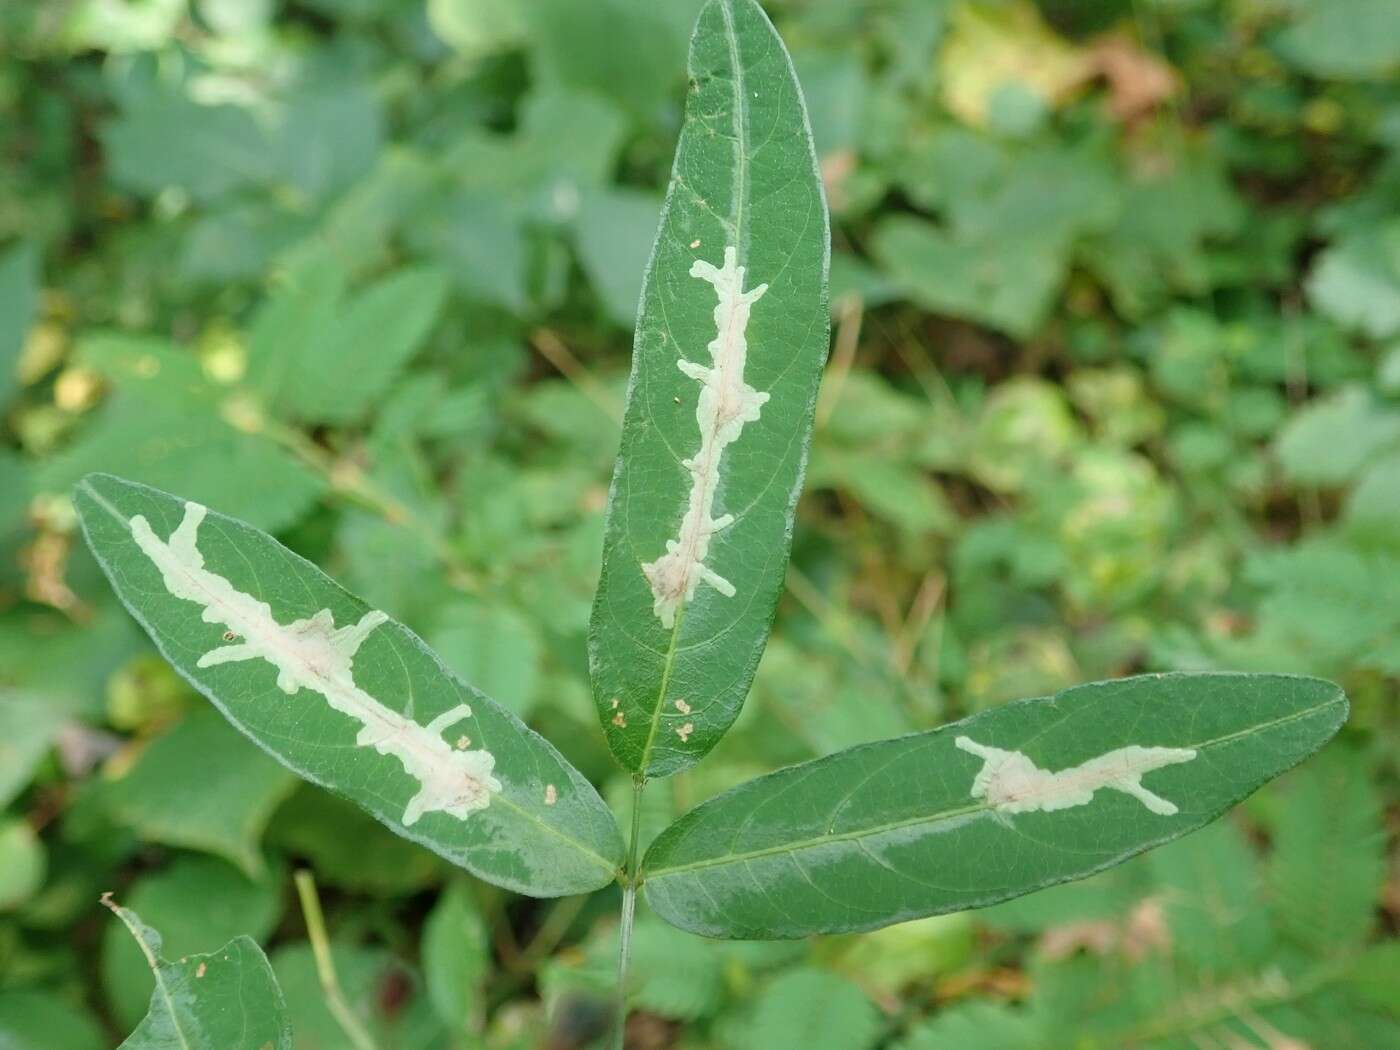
[
  {"x": 1012, "y": 783},
  {"x": 726, "y": 403},
  {"x": 316, "y": 655}
]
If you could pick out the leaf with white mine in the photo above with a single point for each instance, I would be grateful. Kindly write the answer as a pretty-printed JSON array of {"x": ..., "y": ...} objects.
[
  {"x": 731, "y": 337},
  {"x": 346, "y": 697},
  {"x": 1005, "y": 802}
]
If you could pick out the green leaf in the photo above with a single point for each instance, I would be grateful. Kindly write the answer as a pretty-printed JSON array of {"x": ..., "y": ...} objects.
[
  {"x": 981, "y": 810},
  {"x": 19, "y": 300},
  {"x": 195, "y": 901},
  {"x": 674, "y": 974},
  {"x": 494, "y": 647},
  {"x": 974, "y": 1026},
  {"x": 1356, "y": 281},
  {"x": 226, "y": 1000},
  {"x": 1026, "y": 430},
  {"x": 1010, "y": 286},
  {"x": 36, "y": 1020},
  {"x": 200, "y": 786},
  {"x": 1209, "y": 884},
  {"x": 28, "y": 725},
  {"x": 349, "y": 849},
  {"x": 23, "y": 861},
  {"x": 576, "y": 48},
  {"x": 167, "y": 424},
  {"x": 299, "y": 665},
  {"x": 314, "y": 139},
  {"x": 813, "y": 1010},
  {"x": 565, "y": 144},
  {"x": 1375, "y": 978},
  {"x": 1328, "y": 861},
  {"x": 693, "y": 559},
  {"x": 1005, "y": 249},
  {"x": 900, "y": 493},
  {"x": 14, "y": 499},
  {"x": 613, "y": 234},
  {"x": 322, "y": 355},
  {"x": 1331, "y": 439},
  {"x": 457, "y": 959},
  {"x": 1373, "y": 505},
  {"x": 477, "y": 28},
  {"x": 1326, "y": 603},
  {"x": 1346, "y": 39},
  {"x": 217, "y": 148},
  {"x": 1161, "y": 240}
]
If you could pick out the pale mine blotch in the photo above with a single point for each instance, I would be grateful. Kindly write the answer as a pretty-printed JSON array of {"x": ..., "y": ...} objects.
[
  {"x": 682, "y": 707},
  {"x": 684, "y": 731},
  {"x": 315, "y": 654},
  {"x": 1012, "y": 783},
  {"x": 551, "y": 794},
  {"x": 726, "y": 403}
]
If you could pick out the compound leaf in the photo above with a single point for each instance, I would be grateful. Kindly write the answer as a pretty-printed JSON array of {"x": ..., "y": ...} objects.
[
  {"x": 1005, "y": 802},
  {"x": 1328, "y": 864},
  {"x": 731, "y": 338},
  {"x": 810, "y": 1009},
  {"x": 346, "y": 697}
]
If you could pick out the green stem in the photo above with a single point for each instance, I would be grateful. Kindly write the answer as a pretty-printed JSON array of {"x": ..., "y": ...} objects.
[
  {"x": 325, "y": 964},
  {"x": 629, "y": 912}
]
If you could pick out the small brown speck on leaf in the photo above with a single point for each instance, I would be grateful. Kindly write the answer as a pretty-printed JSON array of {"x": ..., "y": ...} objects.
[
  {"x": 682, "y": 707},
  {"x": 393, "y": 993},
  {"x": 229, "y": 636},
  {"x": 618, "y": 720},
  {"x": 551, "y": 795},
  {"x": 200, "y": 970},
  {"x": 684, "y": 731},
  {"x": 463, "y": 742}
]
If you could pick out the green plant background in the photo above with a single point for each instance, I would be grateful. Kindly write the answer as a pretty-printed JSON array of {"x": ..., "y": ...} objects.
[{"x": 1115, "y": 387}]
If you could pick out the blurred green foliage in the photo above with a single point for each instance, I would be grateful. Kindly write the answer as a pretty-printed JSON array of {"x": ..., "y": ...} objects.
[{"x": 1115, "y": 387}]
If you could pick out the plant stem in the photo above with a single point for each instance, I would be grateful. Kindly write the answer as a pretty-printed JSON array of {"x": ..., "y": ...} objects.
[
  {"x": 629, "y": 911},
  {"x": 325, "y": 964}
]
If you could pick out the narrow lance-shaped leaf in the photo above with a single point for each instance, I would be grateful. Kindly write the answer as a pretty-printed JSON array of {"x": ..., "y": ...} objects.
[
  {"x": 731, "y": 337},
  {"x": 226, "y": 1000},
  {"x": 346, "y": 697},
  {"x": 997, "y": 805}
]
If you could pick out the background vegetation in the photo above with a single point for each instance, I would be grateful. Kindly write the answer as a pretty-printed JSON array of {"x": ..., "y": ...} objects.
[{"x": 1115, "y": 387}]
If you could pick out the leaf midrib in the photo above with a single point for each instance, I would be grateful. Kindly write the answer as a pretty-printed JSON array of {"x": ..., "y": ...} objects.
[
  {"x": 945, "y": 815},
  {"x": 156, "y": 971},
  {"x": 741, "y": 193}
]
